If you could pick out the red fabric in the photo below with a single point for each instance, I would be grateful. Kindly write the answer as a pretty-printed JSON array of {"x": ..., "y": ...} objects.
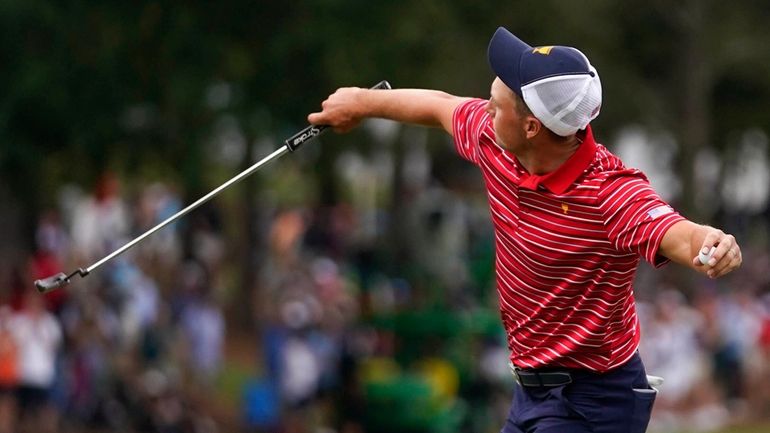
[
  {"x": 567, "y": 247},
  {"x": 8, "y": 355},
  {"x": 764, "y": 336}
]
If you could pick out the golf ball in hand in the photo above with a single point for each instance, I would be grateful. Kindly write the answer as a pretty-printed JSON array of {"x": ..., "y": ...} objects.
[{"x": 704, "y": 258}]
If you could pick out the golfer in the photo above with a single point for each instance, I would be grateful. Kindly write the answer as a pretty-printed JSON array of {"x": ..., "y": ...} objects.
[{"x": 571, "y": 224}]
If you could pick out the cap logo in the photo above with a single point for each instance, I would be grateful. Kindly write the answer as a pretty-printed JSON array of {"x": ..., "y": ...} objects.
[{"x": 542, "y": 50}]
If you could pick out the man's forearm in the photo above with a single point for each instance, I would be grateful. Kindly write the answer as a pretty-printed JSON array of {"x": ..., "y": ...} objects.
[
  {"x": 346, "y": 107},
  {"x": 685, "y": 240},
  {"x": 417, "y": 106}
]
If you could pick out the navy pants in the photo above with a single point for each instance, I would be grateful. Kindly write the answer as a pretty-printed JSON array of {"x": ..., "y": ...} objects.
[{"x": 619, "y": 401}]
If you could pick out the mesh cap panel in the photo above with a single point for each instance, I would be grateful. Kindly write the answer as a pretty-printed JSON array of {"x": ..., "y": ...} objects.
[{"x": 565, "y": 104}]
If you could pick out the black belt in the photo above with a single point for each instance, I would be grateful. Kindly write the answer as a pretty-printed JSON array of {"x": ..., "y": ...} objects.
[{"x": 541, "y": 378}]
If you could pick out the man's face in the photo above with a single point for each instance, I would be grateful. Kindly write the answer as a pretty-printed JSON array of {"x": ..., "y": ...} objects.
[{"x": 510, "y": 126}]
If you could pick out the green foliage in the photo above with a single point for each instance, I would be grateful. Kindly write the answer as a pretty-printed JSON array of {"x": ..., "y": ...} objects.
[{"x": 89, "y": 86}]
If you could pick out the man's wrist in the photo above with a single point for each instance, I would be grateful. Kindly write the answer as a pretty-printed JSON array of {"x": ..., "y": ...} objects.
[{"x": 365, "y": 103}]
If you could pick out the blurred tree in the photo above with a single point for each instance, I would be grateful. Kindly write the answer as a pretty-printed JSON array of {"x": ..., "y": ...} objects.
[{"x": 141, "y": 87}]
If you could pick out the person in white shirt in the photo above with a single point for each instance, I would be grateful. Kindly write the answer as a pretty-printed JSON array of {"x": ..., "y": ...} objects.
[{"x": 39, "y": 336}]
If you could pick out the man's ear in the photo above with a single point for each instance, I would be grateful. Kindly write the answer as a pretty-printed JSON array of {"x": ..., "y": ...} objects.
[{"x": 532, "y": 127}]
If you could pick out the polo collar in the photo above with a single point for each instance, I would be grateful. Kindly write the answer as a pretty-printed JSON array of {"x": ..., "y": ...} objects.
[{"x": 560, "y": 179}]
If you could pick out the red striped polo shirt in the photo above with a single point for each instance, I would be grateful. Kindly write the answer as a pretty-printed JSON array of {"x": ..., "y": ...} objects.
[{"x": 567, "y": 245}]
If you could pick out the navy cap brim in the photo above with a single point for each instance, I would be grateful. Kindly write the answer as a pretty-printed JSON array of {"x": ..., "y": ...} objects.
[{"x": 504, "y": 54}]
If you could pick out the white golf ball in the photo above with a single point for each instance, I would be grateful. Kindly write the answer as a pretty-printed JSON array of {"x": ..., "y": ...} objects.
[{"x": 704, "y": 258}]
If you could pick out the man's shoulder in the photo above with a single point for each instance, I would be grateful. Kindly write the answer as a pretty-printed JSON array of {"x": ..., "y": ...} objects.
[
  {"x": 607, "y": 173},
  {"x": 472, "y": 110},
  {"x": 607, "y": 166}
]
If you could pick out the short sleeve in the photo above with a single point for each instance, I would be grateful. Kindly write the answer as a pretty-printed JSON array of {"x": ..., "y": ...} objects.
[
  {"x": 469, "y": 123},
  {"x": 635, "y": 216}
]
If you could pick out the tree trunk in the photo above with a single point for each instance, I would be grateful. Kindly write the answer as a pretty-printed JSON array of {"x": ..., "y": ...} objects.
[{"x": 695, "y": 78}]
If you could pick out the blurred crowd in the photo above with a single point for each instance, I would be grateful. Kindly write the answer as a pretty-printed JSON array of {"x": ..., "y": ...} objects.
[
  {"x": 136, "y": 346},
  {"x": 713, "y": 349},
  {"x": 355, "y": 324}
]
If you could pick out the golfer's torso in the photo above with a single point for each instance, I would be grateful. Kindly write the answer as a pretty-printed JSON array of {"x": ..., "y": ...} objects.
[
  {"x": 565, "y": 292},
  {"x": 567, "y": 247}
]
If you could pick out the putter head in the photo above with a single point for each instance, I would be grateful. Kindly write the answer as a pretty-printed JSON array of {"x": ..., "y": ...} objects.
[{"x": 45, "y": 285}]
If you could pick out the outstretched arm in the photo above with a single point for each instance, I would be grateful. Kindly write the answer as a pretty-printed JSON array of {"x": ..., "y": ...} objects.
[
  {"x": 685, "y": 240},
  {"x": 347, "y": 107}
]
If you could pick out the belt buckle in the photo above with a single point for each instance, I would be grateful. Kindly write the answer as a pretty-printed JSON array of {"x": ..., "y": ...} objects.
[{"x": 515, "y": 373}]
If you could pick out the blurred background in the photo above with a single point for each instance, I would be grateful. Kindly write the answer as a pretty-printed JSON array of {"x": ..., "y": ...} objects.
[{"x": 346, "y": 288}]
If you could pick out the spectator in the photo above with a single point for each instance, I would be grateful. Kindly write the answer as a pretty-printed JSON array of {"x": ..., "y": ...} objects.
[
  {"x": 100, "y": 221},
  {"x": 203, "y": 326},
  {"x": 39, "y": 337},
  {"x": 9, "y": 374},
  {"x": 51, "y": 242}
]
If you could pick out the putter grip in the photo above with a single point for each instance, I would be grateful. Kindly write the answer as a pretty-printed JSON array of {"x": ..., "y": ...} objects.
[
  {"x": 312, "y": 131},
  {"x": 45, "y": 285}
]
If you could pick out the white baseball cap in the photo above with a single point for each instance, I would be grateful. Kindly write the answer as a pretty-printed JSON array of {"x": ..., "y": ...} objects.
[{"x": 557, "y": 83}]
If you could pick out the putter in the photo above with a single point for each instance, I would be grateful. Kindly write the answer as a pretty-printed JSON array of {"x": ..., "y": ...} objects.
[{"x": 290, "y": 145}]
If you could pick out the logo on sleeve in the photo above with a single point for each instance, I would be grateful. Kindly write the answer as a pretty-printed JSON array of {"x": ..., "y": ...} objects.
[{"x": 660, "y": 211}]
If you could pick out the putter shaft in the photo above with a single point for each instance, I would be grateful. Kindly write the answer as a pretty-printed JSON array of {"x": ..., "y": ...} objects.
[
  {"x": 276, "y": 154},
  {"x": 61, "y": 279}
]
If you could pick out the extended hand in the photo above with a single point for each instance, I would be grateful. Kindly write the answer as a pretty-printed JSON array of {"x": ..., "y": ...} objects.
[
  {"x": 343, "y": 110},
  {"x": 726, "y": 255}
]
